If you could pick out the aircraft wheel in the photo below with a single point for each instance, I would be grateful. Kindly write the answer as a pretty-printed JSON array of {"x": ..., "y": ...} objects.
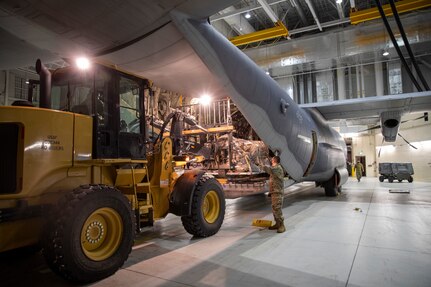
[
  {"x": 391, "y": 179},
  {"x": 331, "y": 186},
  {"x": 331, "y": 191},
  {"x": 208, "y": 208},
  {"x": 410, "y": 179},
  {"x": 91, "y": 235},
  {"x": 381, "y": 178}
]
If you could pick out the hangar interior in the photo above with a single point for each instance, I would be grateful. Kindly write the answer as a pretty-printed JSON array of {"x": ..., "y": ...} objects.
[
  {"x": 325, "y": 58},
  {"x": 318, "y": 52}
]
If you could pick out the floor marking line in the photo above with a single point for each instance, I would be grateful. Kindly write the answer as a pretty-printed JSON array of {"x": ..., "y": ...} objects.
[{"x": 360, "y": 238}]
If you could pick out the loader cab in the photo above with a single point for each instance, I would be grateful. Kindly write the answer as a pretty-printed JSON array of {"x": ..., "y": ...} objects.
[{"x": 115, "y": 101}]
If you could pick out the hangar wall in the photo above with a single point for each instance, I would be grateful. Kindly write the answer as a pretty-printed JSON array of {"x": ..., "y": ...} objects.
[
  {"x": 416, "y": 132},
  {"x": 359, "y": 81},
  {"x": 365, "y": 146}
]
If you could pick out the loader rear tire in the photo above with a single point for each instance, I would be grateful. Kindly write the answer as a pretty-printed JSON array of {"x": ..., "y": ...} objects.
[
  {"x": 92, "y": 234},
  {"x": 207, "y": 210}
]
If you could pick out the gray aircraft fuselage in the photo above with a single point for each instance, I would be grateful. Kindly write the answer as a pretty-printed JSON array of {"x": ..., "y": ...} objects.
[{"x": 309, "y": 149}]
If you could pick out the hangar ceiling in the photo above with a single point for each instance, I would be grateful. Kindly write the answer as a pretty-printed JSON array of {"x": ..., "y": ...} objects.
[
  {"x": 320, "y": 34},
  {"x": 301, "y": 17},
  {"x": 322, "y": 38},
  {"x": 295, "y": 14}
]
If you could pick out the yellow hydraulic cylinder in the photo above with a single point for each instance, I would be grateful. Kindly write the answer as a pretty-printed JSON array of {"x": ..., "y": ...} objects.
[
  {"x": 357, "y": 17},
  {"x": 278, "y": 31}
]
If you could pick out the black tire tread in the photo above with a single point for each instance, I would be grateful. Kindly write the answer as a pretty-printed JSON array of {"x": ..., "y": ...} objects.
[
  {"x": 192, "y": 223},
  {"x": 55, "y": 231}
]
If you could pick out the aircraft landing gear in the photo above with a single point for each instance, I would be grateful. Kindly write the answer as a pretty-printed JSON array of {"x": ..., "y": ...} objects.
[{"x": 331, "y": 186}]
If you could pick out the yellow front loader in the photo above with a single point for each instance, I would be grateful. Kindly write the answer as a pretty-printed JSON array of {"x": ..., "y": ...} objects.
[{"x": 79, "y": 175}]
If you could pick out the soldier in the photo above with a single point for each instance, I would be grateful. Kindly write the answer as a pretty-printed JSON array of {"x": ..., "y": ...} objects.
[
  {"x": 276, "y": 184},
  {"x": 359, "y": 168}
]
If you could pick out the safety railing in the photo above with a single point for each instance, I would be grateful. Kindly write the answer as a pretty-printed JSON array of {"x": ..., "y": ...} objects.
[{"x": 214, "y": 114}]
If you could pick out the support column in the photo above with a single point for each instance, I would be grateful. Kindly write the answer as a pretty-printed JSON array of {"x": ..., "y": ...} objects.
[
  {"x": 358, "y": 82},
  {"x": 351, "y": 92},
  {"x": 305, "y": 83},
  {"x": 313, "y": 88},
  {"x": 362, "y": 82},
  {"x": 378, "y": 74},
  {"x": 341, "y": 84}
]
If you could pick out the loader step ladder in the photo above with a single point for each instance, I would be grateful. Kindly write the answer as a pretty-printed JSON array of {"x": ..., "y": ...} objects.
[{"x": 135, "y": 182}]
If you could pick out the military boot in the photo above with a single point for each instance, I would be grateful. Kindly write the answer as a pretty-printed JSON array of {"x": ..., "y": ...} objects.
[
  {"x": 281, "y": 227},
  {"x": 275, "y": 226}
]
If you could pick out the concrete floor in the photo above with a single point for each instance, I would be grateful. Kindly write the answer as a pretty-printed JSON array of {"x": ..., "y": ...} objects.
[{"x": 364, "y": 237}]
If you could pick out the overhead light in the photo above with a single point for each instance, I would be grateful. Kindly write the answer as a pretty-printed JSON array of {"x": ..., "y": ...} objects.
[
  {"x": 385, "y": 53},
  {"x": 350, "y": 135},
  {"x": 339, "y": 1},
  {"x": 247, "y": 16},
  {"x": 205, "y": 100},
  {"x": 27, "y": 81},
  {"x": 82, "y": 63}
]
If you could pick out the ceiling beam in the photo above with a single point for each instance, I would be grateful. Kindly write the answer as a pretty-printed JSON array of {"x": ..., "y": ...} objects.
[
  {"x": 357, "y": 17},
  {"x": 310, "y": 6},
  {"x": 278, "y": 31},
  {"x": 323, "y": 25},
  {"x": 268, "y": 10},
  {"x": 340, "y": 11},
  {"x": 238, "y": 22},
  {"x": 300, "y": 12},
  {"x": 243, "y": 10}
]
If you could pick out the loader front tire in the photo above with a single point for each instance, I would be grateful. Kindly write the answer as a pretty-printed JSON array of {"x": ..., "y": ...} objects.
[
  {"x": 92, "y": 234},
  {"x": 207, "y": 208}
]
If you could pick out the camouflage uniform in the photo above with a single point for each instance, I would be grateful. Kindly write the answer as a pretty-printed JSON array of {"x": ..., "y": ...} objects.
[
  {"x": 359, "y": 168},
  {"x": 276, "y": 185}
]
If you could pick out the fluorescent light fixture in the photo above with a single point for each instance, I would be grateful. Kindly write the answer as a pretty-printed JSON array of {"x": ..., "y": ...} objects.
[
  {"x": 387, "y": 148},
  {"x": 350, "y": 135},
  {"x": 339, "y": 1},
  {"x": 247, "y": 16},
  {"x": 205, "y": 100},
  {"x": 82, "y": 63},
  {"x": 385, "y": 53}
]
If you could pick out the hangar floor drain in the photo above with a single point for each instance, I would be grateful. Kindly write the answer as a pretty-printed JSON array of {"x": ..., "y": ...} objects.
[{"x": 399, "y": 190}]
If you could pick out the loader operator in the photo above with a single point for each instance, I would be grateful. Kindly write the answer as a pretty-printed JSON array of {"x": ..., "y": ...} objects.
[{"x": 276, "y": 184}]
